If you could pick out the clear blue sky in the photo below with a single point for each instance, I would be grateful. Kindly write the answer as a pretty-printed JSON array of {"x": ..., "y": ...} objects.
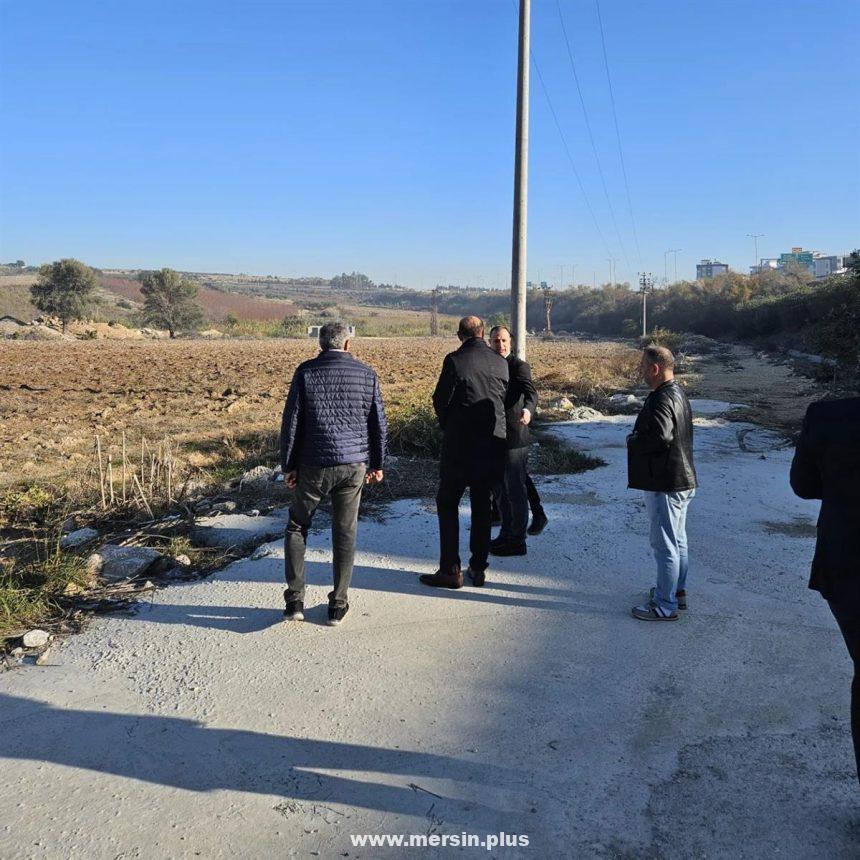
[{"x": 313, "y": 137}]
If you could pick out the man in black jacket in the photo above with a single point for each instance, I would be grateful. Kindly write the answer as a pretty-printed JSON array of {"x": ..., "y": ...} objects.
[
  {"x": 470, "y": 404},
  {"x": 660, "y": 462},
  {"x": 332, "y": 442},
  {"x": 520, "y": 403},
  {"x": 826, "y": 466}
]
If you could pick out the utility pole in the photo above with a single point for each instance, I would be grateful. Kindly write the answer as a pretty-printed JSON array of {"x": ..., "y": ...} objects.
[
  {"x": 755, "y": 237},
  {"x": 646, "y": 284},
  {"x": 675, "y": 252},
  {"x": 521, "y": 183},
  {"x": 434, "y": 312},
  {"x": 547, "y": 309},
  {"x": 611, "y": 261}
]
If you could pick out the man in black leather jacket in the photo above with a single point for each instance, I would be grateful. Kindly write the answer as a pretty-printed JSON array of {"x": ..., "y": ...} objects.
[
  {"x": 826, "y": 466},
  {"x": 470, "y": 404},
  {"x": 660, "y": 462}
]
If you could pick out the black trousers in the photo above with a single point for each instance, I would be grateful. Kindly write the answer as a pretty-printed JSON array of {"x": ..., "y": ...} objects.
[
  {"x": 534, "y": 500},
  {"x": 845, "y": 606},
  {"x": 454, "y": 478}
]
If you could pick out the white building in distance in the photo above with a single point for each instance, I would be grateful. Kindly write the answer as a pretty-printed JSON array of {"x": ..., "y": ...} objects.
[{"x": 710, "y": 269}]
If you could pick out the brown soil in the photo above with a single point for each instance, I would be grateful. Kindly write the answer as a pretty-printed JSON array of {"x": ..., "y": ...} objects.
[
  {"x": 56, "y": 397},
  {"x": 774, "y": 393}
]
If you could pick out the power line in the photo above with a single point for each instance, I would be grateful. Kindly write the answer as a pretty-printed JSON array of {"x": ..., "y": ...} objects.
[
  {"x": 590, "y": 134},
  {"x": 569, "y": 156},
  {"x": 617, "y": 131}
]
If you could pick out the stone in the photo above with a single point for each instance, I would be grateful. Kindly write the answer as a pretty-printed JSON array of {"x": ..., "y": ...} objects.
[
  {"x": 239, "y": 531},
  {"x": 561, "y": 403},
  {"x": 116, "y": 563},
  {"x": 36, "y": 638},
  {"x": 183, "y": 560},
  {"x": 224, "y": 507},
  {"x": 78, "y": 538},
  {"x": 258, "y": 477},
  {"x": 69, "y": 525},
  {"x": 585, "y": 413},
  {"x": 625, "y": 403}
]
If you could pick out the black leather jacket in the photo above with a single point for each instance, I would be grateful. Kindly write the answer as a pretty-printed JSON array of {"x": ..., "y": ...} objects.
[{"x": 660, "y": 448}]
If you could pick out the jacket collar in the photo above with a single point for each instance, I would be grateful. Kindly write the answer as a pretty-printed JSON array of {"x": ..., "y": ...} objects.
[{"x": 472, "y": 342}]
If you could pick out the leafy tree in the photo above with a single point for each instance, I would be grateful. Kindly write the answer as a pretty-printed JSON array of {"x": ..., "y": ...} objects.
[
  {"x": 352, "y": 281},
  {"x": 65, "y": 289},
  {"x": 170, "y": 301},
  {"x": 294, "y": 326},
  {"x": 839, "y": 331},
  {"x": 231, "y": 320}
]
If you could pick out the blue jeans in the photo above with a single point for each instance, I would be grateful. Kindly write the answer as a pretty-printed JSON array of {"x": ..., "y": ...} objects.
[{"x": 668, "y": 515}]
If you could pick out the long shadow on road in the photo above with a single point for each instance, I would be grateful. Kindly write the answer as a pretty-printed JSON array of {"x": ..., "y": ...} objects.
[{"x": 186, "y": 754}]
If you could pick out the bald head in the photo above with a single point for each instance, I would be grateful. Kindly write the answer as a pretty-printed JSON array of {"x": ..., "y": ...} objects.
[{"x": 470, "y": 327}]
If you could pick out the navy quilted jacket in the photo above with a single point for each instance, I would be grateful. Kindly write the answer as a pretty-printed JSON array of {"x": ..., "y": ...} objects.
[{"x": 334, "y": 414}]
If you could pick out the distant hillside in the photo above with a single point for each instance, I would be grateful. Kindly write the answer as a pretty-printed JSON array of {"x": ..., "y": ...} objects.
[
  {"x": 15, "y": 296},
  {"x": 217, "y": 305}
]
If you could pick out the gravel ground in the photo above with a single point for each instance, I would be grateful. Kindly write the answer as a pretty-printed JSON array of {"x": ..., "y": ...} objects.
[{"x": 203, "y": 726}]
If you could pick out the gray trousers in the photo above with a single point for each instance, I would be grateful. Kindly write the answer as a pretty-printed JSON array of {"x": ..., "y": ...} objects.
[
  {"x": 514, "y": 504},
  {"x": 344, "y": 484}
]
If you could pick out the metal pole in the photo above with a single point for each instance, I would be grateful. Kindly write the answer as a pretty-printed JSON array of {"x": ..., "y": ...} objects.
[
  {"x": 521, "y": 181},
  {"x": 755, "y": 237},
  {"x": 644, "y": 314}
]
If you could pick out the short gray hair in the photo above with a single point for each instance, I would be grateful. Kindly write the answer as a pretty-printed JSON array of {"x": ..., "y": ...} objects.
[
  {"x": 659, "y": 355},
  {"x": 334, "y": 335}
]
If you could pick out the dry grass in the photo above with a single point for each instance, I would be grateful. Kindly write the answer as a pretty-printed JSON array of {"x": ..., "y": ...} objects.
[
  {"x": 207, "y": 397},
  {"x": 117, "y": 432}
]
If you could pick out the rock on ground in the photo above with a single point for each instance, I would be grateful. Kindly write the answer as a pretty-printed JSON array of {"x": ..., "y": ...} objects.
[
  {"x": 116, "y": 563},
  {"x": 239, "y": 531},
  {"x": 36, "y": 638},
  {"x": 78, "y": 538}
]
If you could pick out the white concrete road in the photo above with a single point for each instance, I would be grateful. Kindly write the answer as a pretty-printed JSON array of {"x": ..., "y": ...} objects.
[{"x": 202, "y": 726}]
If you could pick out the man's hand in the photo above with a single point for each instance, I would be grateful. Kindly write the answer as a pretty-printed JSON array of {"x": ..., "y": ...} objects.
[
  {"x": 374, "y": 476},
  {"x": 526, "y": 417},
  {"x": 291, "y": 479}
]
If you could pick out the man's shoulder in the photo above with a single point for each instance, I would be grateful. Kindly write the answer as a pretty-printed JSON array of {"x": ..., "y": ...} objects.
[
  {"x": 333, "y": 363},
  {"x": 518, "y": 365},
  {"x": 824, "y": 411}
]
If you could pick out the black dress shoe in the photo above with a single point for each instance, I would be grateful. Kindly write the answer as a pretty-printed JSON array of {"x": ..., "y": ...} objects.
[
  {"x": 478, "y": 577},
  {"x": 508, "y": 548},
  {"x": 452, "y": 579},
  {"x": 539, "y": 522}
]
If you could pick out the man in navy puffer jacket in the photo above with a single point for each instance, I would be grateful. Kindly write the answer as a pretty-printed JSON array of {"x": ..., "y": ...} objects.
[{"x": 332, "y": 442}]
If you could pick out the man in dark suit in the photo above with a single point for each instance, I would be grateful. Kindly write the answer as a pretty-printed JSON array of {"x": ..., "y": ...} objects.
[
  {"x": 826, "y": 466},
  {"x": 520, "y": 403},
  {"x": 470, "y": 404}
]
